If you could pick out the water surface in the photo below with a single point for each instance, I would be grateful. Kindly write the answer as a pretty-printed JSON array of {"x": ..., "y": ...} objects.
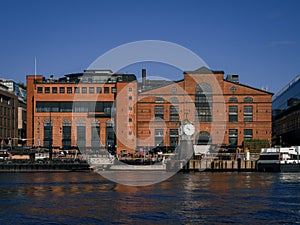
[{"x": 186, "y": 198}]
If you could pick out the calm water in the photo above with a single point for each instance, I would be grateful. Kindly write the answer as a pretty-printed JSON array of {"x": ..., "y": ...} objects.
[{"x": 194, "y": 198}]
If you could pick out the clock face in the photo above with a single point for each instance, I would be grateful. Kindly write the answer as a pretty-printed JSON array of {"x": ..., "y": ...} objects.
[{"x": 189, "y": 129}]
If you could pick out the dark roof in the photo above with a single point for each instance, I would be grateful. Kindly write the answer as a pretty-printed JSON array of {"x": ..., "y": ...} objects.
[
  {"x": 204, "y": 70},
  {"x": 249, "y": 87},
  {"x": 71, "y": 75},
  {"x": 161, "y": 84}
]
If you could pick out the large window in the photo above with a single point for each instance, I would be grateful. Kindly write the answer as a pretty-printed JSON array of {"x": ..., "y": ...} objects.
[
  {"x": 47, "y": 133},
  {"x": 84, "y": 90},
  {"x": 159, "y": 137},
  {"x": 174, "y": 100},
  {"x": 203, "y": 103},
  {"x": 159, "y": 112},
  {"x": 61, "y": 90},
  {"x": 106, "y": 90},
  {"x": 233, "y": 99},
  {"x": 159, "y": 100},
  {"x": 248, "y": 134},
  {"x": 69, "y": 90},
  {"x": 203, "y": 138},
  {"x": 174, "y": 116},
  {"x": 81, "y": 134},
  {"x": 95, "y": 134},
  {"x": 233, "y": 137},
  {"x": 47, "y": 90},
  {"x": 99, "y": 90},
  {"x": 248, "y": 99},
  {"x": 173, "y": 137},
  {"x": 74, "y": 106},
  {"x": 233, "y": 114},
  {"x": 110, "y": 136},
  {"x": 66, "y": 134},
  {"x": 248, "y": 113}
]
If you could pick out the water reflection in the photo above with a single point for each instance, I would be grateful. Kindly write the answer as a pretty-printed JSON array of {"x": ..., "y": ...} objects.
[
  {"x": 88, "y": 198},
  {"x": 290, "y": 177}
]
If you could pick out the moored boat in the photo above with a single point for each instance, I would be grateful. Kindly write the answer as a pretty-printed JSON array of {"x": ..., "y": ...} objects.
[{"x": 281, "y": 159}]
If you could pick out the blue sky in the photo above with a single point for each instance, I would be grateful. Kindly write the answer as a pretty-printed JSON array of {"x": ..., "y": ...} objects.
[{"x": 259, "y": 40}]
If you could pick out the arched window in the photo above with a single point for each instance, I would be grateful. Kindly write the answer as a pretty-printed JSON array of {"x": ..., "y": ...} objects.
[
  {"x": 174, "y": 100},
  {"x": 81, "y": 122},
  {"x": 203, "y": 138},
  {"x": 47, "y": 122},
  {"x": 248, "y": 99},
  {"x": 203, "y": 102},
  {"x": 66, "y": 123},
  {"x": 233, "y": 99},
  {"x": 203, "y": 88},
  {"x": 159, "y": 100}
]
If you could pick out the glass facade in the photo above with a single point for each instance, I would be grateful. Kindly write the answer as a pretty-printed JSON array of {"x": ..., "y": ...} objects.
[
  {"x": 286, "y": 115},
  {"x": 288, "y": 97},
  {"x": 74, "y": 107}
]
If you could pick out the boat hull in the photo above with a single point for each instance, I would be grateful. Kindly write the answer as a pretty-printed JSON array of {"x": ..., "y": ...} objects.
[
  {"x": 290, "y": 167},
  {"x": 276, "y": 167},
  {"x": 268, "y": 167}
]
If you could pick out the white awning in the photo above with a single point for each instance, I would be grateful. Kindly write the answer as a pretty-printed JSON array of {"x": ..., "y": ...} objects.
[{"x": 201, "y": 149}]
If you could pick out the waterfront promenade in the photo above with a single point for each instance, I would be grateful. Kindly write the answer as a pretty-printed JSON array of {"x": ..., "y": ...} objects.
[{"x": 192, "y": 165}]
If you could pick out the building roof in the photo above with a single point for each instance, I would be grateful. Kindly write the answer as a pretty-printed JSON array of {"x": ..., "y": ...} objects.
[
  {"x": 288, "y": 86},
  {"x": 91, "y": 76},
  {"x": 204, "y": 70},
  {"x": 247, "y": 86}
]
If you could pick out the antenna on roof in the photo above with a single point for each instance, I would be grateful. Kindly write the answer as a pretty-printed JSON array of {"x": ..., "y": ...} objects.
[
  {"x": 35, "y": 66},
  {"x": 265, "y": 88}
]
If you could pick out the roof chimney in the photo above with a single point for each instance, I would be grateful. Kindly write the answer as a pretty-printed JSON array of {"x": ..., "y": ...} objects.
[{"x": 143, "y": 78}]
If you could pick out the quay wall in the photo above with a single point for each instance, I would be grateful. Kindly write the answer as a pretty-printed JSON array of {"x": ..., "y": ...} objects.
[
  {"x": 36, "y": 167},
  {"x": 221, "y": 165}
]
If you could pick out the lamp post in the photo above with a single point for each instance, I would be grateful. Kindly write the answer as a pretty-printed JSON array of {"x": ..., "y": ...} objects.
[{"x": 51, "y": 136}]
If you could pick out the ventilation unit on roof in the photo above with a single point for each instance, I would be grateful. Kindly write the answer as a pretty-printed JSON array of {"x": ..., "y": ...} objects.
[{"x": 233, "y": 78}]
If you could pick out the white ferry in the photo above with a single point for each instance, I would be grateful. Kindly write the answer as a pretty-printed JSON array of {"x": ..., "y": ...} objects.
[{"x": 281, "y": 159}]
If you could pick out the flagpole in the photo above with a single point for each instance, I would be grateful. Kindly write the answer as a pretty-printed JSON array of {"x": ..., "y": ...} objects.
[{"x": 35, "y": 67}]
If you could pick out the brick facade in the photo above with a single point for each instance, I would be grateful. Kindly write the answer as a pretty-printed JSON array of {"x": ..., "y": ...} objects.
[
  {"x": 8, "y": 118},
  {"x": 223, "y": 111},
  {"x": 224, "y": 95}
]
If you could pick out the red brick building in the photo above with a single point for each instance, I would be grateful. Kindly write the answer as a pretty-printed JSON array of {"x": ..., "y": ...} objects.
[
  {"x": 74, "y": 111},
  {"x": 99, "y": 108},
  {"x": 8, "y": 117},
  {"x": 222, "y": 110}
]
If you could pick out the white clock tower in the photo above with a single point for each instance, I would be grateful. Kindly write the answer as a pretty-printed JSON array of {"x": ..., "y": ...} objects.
[{"x": 186, "y": 131}]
